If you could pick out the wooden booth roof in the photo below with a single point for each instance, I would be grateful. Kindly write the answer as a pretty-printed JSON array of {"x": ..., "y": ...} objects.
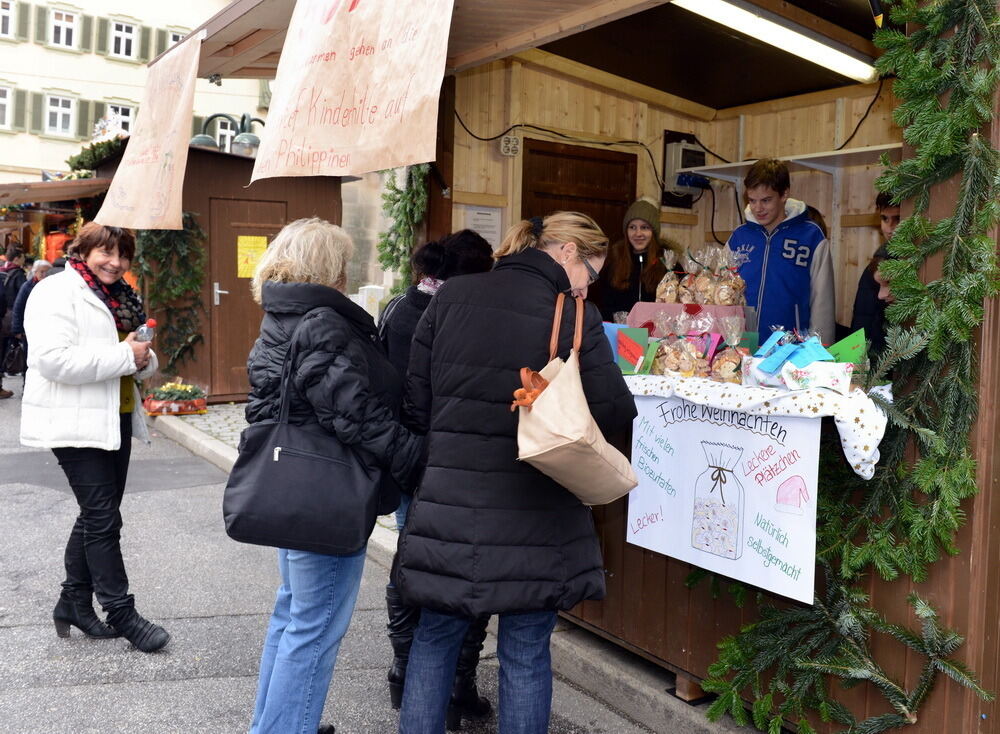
[
  {"x": 38, "y": 192},
  {"x": 645, "y": 40}
]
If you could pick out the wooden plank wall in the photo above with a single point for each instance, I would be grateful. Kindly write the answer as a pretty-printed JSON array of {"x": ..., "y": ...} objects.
[{"x": 492, "y": 97}]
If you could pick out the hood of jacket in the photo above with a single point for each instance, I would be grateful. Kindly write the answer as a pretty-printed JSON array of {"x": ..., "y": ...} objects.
[
  {"x": 298, "y": 298},
  {"x": 793, "y": 208}
]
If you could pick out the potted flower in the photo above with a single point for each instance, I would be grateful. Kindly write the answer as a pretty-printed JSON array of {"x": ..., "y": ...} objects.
[{"x": 176, "y": 398}]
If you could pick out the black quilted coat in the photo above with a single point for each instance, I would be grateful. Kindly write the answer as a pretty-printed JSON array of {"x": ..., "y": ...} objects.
[
  {"x": 487, "y": 533},
  {"x": 342, "y": 378}
]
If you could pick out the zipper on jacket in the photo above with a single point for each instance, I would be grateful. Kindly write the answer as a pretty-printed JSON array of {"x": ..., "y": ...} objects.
[
  {"x": 277, "y": 451},
  {"x": 763, "y": 275}
]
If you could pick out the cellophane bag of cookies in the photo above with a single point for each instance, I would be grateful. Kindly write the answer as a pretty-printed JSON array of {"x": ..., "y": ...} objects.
[
  {"x": 666, "y": 291},
  {"x": 726, "y": 367}
]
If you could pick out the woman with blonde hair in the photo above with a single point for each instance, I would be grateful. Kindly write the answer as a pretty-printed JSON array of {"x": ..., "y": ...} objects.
[
  {"x": 486, "y": 533},
  {"x": 340, "y": 383}
]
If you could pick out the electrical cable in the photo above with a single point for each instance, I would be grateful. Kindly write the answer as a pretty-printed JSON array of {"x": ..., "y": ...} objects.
[
  {"x": 857, "y": 127},
  {"x": 739, "y": 208},
  {"x": 709, "y": 150},
  {"x": 564, "y": 136},
  {"x": 714, "y": 235}
]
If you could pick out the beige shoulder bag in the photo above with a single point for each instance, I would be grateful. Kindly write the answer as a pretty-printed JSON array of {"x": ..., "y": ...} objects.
[{"x": 556, "y": 432}]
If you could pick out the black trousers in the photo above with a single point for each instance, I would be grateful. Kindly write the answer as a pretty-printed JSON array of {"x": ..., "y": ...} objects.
[{"x": 93, "y": 558}]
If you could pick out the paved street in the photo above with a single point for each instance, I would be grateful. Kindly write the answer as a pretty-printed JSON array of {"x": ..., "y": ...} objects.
[{"x": 212, "y": 594}]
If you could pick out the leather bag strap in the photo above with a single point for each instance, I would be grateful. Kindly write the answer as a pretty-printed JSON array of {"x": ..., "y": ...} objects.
[{"x": 557, "y": 323}]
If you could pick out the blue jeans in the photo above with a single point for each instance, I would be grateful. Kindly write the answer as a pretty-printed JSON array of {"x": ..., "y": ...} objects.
[
  {"x": 525, "y": 672},
  {"x": 403, "y": 510},
  {"x": 312, "y": 611}
]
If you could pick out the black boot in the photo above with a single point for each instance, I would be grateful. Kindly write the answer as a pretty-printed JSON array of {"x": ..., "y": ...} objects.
[
  {"x": 465, "y": 699},
  {"x": 80, "y": 615},
  {"x": 402, "y": 622},
  {"x": 142, "y": 633}
]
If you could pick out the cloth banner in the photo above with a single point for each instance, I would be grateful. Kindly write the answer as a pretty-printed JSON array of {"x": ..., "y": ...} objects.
[
  {"x": 146, "y": 190},
  {"x": 357, "y": 88},
  {"x": 726, "y": 490}
]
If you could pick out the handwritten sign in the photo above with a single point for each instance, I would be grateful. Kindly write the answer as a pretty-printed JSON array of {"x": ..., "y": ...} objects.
[
  {"x": 146, "y": 190},
  {"x": 728, "y": 491},
  {"x": 249, "y": 250},
  {"x": 357, "y": 88}
]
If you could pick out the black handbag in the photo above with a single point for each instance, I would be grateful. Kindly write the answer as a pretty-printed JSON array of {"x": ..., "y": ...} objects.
[
  {"x": 299, "y": 487},
  {"x": 16, "y": 360}
]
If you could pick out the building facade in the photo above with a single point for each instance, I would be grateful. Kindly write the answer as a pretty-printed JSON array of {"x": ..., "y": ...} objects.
[{"x": 65, "y": 66}]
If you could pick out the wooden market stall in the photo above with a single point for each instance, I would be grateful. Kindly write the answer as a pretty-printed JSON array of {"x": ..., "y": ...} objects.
[
  {"x": 229, "y": 212},
  {"x": 582, "y": 135}
]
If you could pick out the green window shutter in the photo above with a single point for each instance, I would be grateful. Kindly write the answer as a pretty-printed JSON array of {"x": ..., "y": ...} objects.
[
  {"x": 23, "y": 21},
  {"x": 103, "y": 32},
  {"x": 100, "y": 109},
  {"x": 41, "y": 24},
  {"x": 37, "y": 113},
  {"x": 86, "y": 32},
  {"x": 196, "y": 123},
  {"x": 145, "y": 42},
  {"x": 20, "y": 110},
  {"x": 84, "y": 119},
  {"x": 161, "y": 41},
  {"x": 264, "y": 94}
]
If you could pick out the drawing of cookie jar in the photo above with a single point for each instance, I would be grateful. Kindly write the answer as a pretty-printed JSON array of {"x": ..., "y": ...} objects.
[{"x": 717, "y": 522}]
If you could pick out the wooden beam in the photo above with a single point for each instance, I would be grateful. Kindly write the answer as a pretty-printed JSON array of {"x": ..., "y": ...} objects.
[
  {"x": 860, "y": 220},
  {"x": 617, "y": 84},
  {"x": 823, "y": 27},
  {"x": 477, "y": 199},
  {"x": 568, "y": 24},
  {"x": 687, "y": 220},
  {"x": 800, "y": 100}
]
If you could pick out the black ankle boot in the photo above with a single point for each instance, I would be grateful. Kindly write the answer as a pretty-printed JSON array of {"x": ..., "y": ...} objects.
[
  {"x": 80, "y": 615},
  {"x": 465, "y": 699},
  {"x": 142, "y": 633},
  {"x": 402, "y": 621}
]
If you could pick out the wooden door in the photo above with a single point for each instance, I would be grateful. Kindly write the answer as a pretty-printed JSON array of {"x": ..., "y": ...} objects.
[
  {"x": 560, "y": 177},
  {"x": 235, "y": 317}
]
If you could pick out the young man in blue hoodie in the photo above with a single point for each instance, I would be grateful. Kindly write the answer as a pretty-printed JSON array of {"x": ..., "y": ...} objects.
[{"x": 783, "y": 256}]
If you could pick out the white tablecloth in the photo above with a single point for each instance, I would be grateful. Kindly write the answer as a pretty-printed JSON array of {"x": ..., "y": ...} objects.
[{"x": 860, "y": 422}]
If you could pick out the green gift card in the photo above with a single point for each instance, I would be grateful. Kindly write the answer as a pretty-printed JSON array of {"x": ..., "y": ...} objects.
[{"x": 850, "y": 349}]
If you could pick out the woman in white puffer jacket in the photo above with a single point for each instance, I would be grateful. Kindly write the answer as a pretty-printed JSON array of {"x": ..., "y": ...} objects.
[{"x": 81, "y": 401}]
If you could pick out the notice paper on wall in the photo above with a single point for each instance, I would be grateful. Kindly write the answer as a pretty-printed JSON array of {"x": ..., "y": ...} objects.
[
  {"x": 357, "y": 88},
  {"x": 486, "y": 220},
  {"x": 731, "y": 492},
  {"x": 249, "y": 250}
]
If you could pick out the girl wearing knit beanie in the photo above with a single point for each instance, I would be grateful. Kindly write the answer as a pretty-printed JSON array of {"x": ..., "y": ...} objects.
[{"x": 634, "y": 266}]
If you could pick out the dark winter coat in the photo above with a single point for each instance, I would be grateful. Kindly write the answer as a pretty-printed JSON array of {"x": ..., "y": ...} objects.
[
  {"x": 17, "y": 318},
  {"x": 12, "y": 277},
  {"x": 487, "y": 533},
  {"x": 397, "y": 324},
  {"x": 614, "y": 299},
  {"x": 869, "y": 312},
  {"x": 342, "y": 379}
]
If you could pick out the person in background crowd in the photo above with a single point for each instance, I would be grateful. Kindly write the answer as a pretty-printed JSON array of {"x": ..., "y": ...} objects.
[
  {"x": 783, "y": 256},
  {"x": 344, "y": 385},
  {"x": 817, "y": 216},
  {"x": 461, "y": 253},
  {"x": 873, "y": 292},
  {"x": 39, "y": 269},
  {"x": 487, "y": 534},
  {"x": 634, "y": 267},
  {"x": 81, "y": 401},
  {"x": 58, "y": 265},
  {"x": 12, "y": 277}
]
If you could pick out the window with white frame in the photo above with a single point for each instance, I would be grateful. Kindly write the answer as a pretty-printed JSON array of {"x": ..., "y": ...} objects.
[
  {"x": 63, "y": 29},
  {"x": 124, "y": 113},
  {"x": 59, "y": 115},
  {"x": 227, "y": 131},
  {"x": 176, "y": 37},
  {"x": 7, "y": 18},
  {"x": 6, "y": 98},
  {"x": 123, "y": 40}
]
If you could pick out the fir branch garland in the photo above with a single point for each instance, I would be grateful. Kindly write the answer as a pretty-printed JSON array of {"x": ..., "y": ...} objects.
[
  {"x": 406, "y": 207},
  {"x": 170, "y": 264},
  {"x": 906, "y": 517}
]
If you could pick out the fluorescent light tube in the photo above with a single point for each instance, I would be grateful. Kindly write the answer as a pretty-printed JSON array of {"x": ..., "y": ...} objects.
[{"x": 781, "y": 33}]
